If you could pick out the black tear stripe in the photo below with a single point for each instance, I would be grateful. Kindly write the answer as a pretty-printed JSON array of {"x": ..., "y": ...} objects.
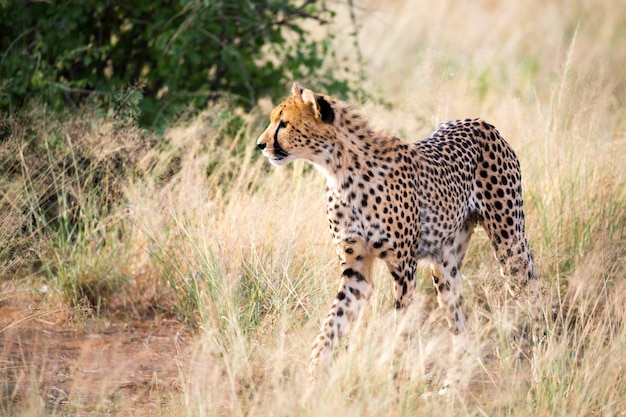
[
  {"x": 326, "y": 110},
  {"x": 278, "y": 150}
]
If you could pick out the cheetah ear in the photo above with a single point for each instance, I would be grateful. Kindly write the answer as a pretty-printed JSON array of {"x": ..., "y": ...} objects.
[
  {"x": 296, "y": 90},
  {"x": 322, "y": 108}
]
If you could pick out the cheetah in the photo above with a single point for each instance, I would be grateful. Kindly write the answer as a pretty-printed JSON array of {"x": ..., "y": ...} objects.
[{"x": 402, "y": 202}]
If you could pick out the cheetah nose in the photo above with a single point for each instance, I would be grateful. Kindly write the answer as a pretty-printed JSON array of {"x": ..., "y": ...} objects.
[{"x": 261, "y": 145}]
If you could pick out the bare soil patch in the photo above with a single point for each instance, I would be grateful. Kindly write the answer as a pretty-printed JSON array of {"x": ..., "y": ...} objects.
[{"x": 99, "y": 366}]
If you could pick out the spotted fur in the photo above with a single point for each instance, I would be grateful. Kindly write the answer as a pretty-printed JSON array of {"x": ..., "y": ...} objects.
[{"x": 402, "y": 202}]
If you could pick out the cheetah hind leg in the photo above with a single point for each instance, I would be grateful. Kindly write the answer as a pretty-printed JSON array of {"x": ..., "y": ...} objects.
[
  {"x": 446, "y": 274},
  {"x": 447, "y": 281}
]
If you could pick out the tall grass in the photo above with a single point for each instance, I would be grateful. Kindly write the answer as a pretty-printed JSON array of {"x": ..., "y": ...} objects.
[
  {"x": 206, "y": 231},
  {"x": 550, "y": 79}
]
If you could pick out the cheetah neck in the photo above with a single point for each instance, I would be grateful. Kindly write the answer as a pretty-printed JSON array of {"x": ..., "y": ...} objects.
[{"x": 359, "y": 154}]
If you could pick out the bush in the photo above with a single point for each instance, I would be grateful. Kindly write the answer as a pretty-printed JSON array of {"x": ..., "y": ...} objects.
[{"x": 181, "y": 53}]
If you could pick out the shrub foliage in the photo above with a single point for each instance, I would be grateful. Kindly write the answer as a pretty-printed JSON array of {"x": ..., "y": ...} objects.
[{"x": 181, "y": 53}]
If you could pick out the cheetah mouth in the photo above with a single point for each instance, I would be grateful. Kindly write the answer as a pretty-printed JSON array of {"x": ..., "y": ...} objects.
[{"x": 277, "y": 160}]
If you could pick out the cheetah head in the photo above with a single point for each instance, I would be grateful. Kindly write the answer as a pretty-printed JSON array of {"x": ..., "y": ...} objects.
[{"x": 300, "y": 127}]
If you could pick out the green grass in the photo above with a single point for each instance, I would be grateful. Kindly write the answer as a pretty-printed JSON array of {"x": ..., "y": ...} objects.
[{"x": 196, "y": 227}]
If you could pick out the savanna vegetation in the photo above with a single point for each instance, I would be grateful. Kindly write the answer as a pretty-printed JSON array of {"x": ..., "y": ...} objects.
[
  {"x": 180, "y": 55},
  {"x": 172, "y": 271}
]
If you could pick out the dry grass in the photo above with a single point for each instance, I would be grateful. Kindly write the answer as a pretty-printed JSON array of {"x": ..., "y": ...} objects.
[{"x": 211, "y": 236}]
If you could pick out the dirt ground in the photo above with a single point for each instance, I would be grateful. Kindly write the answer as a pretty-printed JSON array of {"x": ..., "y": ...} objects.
[{"x": 100, "y": 366}]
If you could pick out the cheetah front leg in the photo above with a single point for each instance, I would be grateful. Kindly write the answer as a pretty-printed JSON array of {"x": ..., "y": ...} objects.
[
  {"x": 354, "y": 290},
  {"x": 403, "y": 274}
]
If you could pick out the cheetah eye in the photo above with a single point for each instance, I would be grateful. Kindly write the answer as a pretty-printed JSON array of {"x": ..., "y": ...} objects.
[{"x": 281, "y": 125}]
